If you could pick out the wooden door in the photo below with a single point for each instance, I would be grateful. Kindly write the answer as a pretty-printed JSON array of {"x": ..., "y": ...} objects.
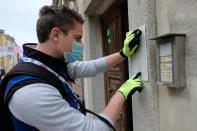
[{"x": 114, "y": 27}]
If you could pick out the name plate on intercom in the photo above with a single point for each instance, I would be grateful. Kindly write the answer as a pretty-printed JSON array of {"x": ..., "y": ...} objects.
[{"x": 166, "y": 62}]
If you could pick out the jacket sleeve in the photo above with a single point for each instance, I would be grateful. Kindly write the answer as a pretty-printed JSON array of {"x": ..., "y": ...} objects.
[
  {"x": 81, "y": 69},
  {"x": 42, "y": 106}
]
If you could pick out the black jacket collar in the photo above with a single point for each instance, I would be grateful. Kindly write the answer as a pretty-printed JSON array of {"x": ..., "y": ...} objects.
[{"x": 59, "y": 66}]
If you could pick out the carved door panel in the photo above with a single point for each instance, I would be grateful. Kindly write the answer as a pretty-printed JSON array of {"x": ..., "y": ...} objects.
[{"x": 114, "y": 26}]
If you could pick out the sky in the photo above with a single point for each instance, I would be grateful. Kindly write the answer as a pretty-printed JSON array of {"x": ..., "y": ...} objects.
[{"x": 18, "y": 18}]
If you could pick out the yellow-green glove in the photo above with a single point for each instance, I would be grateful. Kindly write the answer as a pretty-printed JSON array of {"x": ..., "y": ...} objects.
[
  {"x": 131, "y": 43},
  {"x": 131, "y": 86}
]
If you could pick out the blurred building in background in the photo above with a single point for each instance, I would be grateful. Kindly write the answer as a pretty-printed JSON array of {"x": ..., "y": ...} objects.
[{"x": 9, "y": 51}]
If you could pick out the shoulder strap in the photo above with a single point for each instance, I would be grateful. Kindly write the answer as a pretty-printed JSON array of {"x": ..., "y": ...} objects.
[{"x": 30, "y": 69}]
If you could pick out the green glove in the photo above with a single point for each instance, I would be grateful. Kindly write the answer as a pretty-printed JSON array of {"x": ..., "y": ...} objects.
[
  {"x": 131, "y": 86},
  {"x": 131, "y": 43}
]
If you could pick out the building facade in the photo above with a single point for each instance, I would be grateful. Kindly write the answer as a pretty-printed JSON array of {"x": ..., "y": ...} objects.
[
  {"x": 9, "y": 51},
  {"x": 156, "y": 108}
]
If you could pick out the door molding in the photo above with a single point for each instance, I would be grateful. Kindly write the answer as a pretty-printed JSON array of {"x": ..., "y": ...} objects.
[{"x": 98, "y": 7}]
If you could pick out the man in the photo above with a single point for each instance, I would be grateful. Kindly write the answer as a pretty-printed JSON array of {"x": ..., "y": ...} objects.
[{"x": 40, "y": 106}]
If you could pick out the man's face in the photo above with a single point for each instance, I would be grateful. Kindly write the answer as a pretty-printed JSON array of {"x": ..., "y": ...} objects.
[{"x": 74, "y": 34}]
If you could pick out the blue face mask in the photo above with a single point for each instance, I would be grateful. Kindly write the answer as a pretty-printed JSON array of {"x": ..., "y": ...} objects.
[{"x": 76, "y": 54}]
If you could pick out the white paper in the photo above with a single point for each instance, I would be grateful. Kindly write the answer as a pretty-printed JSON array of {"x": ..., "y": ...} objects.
[{"x": 138, "y": 62}]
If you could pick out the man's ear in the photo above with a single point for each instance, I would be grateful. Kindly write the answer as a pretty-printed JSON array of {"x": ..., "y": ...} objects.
[{"x": 54, "y": 34}]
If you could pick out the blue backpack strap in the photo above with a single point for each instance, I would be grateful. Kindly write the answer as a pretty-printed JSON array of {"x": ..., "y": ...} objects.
[{"x": 32, "y": 70}]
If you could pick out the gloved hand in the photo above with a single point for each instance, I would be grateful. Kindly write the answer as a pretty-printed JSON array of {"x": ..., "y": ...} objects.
[
  {"x": 131, "y": 86},
  {"x": 131, "y": 43}
]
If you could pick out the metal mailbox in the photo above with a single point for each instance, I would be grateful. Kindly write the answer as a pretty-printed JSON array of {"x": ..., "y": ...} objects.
[{"x": 170, "y": 60}]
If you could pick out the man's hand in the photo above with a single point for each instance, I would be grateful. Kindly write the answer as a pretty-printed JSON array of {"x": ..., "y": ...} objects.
[
  {"x": 131, "y": 86},
  {"x": 131, "y": 43}
]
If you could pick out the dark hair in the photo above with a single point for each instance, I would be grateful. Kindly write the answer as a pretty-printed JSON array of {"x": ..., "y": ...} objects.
[{"x": 55, "y": 16}]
